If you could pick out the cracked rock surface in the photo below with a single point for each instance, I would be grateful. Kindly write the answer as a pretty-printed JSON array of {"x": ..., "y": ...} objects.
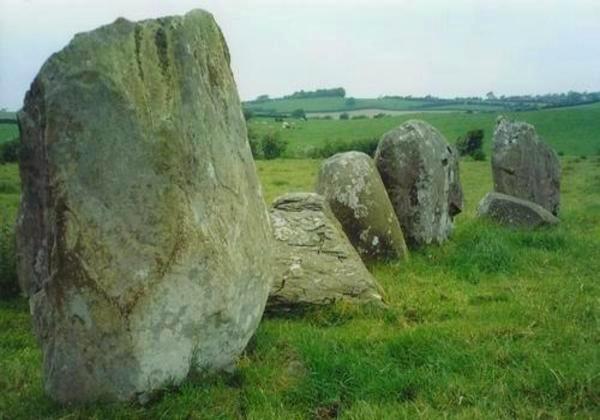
[
  {"x": 355, "y": 193},
  {"x": 514, "y": 212},
  {"x": 141, "y": 216},
  {"x": 524, "y": 166},
  {"x": 315, "y": 264},
  {"x": 421, "y": 175}
]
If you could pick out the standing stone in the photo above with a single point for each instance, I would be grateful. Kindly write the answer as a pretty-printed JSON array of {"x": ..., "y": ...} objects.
[
  {"x": 420, "y": 172},
  {"x": 144, "y": 241},
  {"x": 315, "y": 264},
  {"x": 514, "y": 212},
  {"x": 524, "y": 166},
  {"x": 355, "y": 193}
]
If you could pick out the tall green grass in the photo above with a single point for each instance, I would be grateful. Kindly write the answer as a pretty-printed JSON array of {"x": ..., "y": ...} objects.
[
  {"x": 8, "y": 272},
  {"x": 496, "y": 323}
]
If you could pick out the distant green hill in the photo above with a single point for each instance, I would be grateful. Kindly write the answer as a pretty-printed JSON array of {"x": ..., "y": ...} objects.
[
  {"x": 8, "y": 115},
  {"x": 336, "y": 101},
  {"x": 338, "y": 104},
  {"x": 572, "y": 131}
]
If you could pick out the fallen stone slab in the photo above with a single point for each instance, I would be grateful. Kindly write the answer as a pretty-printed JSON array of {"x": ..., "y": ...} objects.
[
  {"x": 515, "y": 212},
  {"x": 315, "y": 264}
]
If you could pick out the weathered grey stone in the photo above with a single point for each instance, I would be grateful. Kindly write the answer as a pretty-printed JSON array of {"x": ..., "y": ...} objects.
[
  {"x": 513, "y": 211},
  {"x": 420, "y": 172},
  {"x": 355, "y": 193},
  {"x": 524, "y": 166},
  {"x": 315, "y": 264},
  {"x": 144, "y": 241}
]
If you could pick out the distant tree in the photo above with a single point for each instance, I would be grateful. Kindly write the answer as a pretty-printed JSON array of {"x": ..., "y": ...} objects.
[
  {"x": 9, "y": 151},
  {"x": 299, "y": 113},
  {"x": 273, "y": 145},
  {"x": 478, "y": 155},
  {"x": 319, "y": 93},
  {"x": 490, "y": 96},
  {"x": 254, "y": 142},
  {"x": 330, "y": 148},
  {"x": 248, "y": 114},
  {"x": 262, "y": 98},
  {"x": 350, "y": 102},
  {"x": 471, "y": 144},
  {"x": 344, "y": 116}
]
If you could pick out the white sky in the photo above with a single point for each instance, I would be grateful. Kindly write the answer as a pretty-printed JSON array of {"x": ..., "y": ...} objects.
[{"x": 370, "y": 47}]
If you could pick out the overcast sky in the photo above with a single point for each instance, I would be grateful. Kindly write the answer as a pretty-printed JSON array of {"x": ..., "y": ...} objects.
[{"x": 370, "y": 47}]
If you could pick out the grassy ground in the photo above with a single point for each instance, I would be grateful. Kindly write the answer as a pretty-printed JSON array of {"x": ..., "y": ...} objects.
[
  {"x": 572, "y": 131},
  {"x": 10, "y": 187},
  {"x": 494, "y": 324}
]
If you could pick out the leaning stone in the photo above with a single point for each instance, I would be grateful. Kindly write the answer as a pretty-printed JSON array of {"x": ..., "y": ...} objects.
[
  {"x": 524, "y": 166},
  {"x": 144, "y": 241},
  {"x": 513, "y": 211},
  {"x": 315, "y": 264},
  {"x": 421, "y": 174},
  {"x": 355, "y": 193}
]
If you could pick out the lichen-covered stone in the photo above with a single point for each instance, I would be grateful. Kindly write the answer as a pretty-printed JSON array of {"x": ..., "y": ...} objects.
[
  {"x": 524, "y": 166},
  {"x": 355, "y": 193},
  {"x": 421, "y": 175},
  {"x": 514, "y": 212},
  {"x": 144, "y": 241},
  {"x": 315, "y": 264}
]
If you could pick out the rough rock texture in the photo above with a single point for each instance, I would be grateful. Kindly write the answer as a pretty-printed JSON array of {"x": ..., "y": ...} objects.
[
  {"x": 420, "y": 172},
  {"x": 144, "y": 241},
  {"x": 524, "y": 166},
  {"x": 512, "y": 211},
  {"x": 315, "y": 264},
  {"x": 355, "y": 193}
]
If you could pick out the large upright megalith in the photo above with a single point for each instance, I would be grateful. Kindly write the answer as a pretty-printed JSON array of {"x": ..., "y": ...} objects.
[
  {"x": 421, "y": 174},
  {"x": 524, "y": 166},
  {"x": 144, "y": 242},
  {"x": 356, "y": 195}
]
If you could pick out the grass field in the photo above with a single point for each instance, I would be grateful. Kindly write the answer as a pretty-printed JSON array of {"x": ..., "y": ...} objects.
[
  {"x": 572, "y": 131},
  {"x": 8, "y": 132},
  {"x": 494, "y": 324}
]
